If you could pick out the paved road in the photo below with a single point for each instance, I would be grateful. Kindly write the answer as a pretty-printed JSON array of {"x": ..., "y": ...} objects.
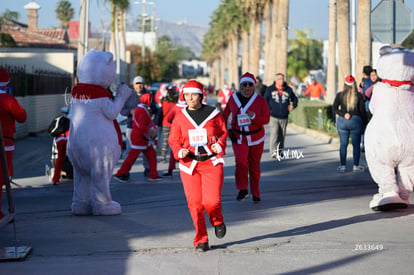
[{"x": 311, "y": 220}]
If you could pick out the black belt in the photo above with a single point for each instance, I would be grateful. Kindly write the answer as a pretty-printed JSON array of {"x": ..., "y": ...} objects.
[
  {"x": 8, "y": 137},
  {"x": 200, "y": 158},
  {"x": 246, "y": 133}
]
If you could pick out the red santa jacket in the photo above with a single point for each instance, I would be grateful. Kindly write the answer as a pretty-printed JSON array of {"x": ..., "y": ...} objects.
[
  {"x": 180, "y": 135},
  {"x": 10, "y": 112},
  {"x": 254, "y": 132},
  {"x": 141, "y": 123},
  {"x": 167, "y": 108}
]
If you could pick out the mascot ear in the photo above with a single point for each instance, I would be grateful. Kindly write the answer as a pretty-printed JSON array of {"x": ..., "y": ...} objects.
[
  {"x": 385, "y": 50},
  {"x": 108, "y": 57}
]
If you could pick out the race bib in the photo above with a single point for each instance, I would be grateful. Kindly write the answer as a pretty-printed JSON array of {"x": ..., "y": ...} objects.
[
  {"x": 198, "y": 137},
  {"x": 243, "y": 120}
]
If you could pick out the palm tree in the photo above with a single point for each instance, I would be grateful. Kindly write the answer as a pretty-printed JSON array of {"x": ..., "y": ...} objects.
[
  {"x": 304, "y": 54},
  {"x": 344, "y": 50},
  {"x": 271, "y": 57},
  {"x": 331, "y": 79},
  {"x": 64, "y": 12},
  {"x": 282, "y": 31},
  {"x": 117, "y": 44},
  {"x": 363, "y": 37},
  {"x": 267, "y": 40}
]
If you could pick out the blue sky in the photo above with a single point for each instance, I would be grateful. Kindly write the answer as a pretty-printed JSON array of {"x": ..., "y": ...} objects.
[{"x": 304, "y": 14}]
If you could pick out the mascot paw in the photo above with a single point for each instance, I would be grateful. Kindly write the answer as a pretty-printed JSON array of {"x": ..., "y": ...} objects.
[
  {"x": 387, "y": 201},
  {"x": 81, "y": 209},
  {"x": 109, "y": 209}
]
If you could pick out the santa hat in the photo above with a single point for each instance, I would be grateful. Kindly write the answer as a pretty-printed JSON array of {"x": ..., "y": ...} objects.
[
  {"x": 248, "y": 77},
  {"x": 193, "y": 86},
  {"x": 145, "y": 99},
  {"x": 349, "y": 80},
  {"x": 4, "y": 78}
]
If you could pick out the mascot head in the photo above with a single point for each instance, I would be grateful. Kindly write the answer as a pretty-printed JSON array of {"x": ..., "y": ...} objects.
[
  {"x": 98, "y": 68},
  {"x": 389, "y": 57}
]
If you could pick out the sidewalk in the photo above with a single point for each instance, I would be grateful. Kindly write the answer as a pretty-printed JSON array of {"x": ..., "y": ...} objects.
[{"x": 312, "y": 220}]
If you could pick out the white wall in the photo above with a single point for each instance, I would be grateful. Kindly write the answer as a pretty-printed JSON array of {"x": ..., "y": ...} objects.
[{"x": 60, "y": 61}]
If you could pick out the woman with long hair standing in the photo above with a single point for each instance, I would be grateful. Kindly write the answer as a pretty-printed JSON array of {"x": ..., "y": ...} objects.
[{"x": 352, "y": 118}]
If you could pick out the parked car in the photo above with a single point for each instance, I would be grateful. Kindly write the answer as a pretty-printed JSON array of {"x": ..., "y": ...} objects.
[{"x": 156, "y": 86}]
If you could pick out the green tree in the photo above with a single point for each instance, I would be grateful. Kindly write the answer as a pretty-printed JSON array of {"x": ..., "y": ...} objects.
[
  {"x": 304, "y": 54},
  {"x": 64, "y": 13},
  {"x": 11, "y": 15},
  {"x": 168, "y": 55}
]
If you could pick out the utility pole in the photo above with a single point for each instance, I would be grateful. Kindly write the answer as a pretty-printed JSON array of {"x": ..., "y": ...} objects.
[
  {"x": 144, "y": 16},
  {"x": 83, "y": 29}
]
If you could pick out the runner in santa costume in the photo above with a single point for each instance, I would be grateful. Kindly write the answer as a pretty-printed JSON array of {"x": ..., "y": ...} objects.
[
  {"x": 224, "y": 96},
  {"x": 198, "y": 139},
  {"x": 10, "y": 112},
  {"x": 143, "y": 132},
  {"x": 249, "y": 113},
  {"x": 61, "y": 143}
]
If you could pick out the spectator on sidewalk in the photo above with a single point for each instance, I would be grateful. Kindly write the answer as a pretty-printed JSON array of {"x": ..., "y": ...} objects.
[
  {"x": 198, "y": 140},
  {"x": 281, "y": 100},
  {"x": 315, "y": 89},
  {"x": 10, "y": 112},
  {"x": 249, "y": 113},
  {"x": 352, "y": 118}
]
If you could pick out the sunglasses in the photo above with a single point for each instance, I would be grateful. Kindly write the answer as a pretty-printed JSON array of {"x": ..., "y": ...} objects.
[{"x": 247, "y": 84}]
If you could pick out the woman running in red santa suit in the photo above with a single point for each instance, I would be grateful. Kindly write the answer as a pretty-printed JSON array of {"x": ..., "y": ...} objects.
[
  {"x": 249, "y": 113},
  {"x": 198, "y": 139}
]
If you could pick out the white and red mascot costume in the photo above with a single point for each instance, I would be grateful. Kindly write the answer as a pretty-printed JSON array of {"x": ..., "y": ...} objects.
[
  {"x": 389, "y": 146},
  {"x": 198, "y": 140},
  {"x": 142, "y": 134},
  {"x": 10, "y": 112},
  {"x": 224, "y": 96},
  {"x": 248, "y": 117},
  {"x": 94, "y": 144}
]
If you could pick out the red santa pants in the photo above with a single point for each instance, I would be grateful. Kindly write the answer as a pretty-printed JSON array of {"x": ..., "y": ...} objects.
[
  {"x": 61, "y": 147},
  {"x": 248, "y": 164},
  {"x": 203, "y": 192},
  {"x": 171, "y": 164},
  {"x": 151, "y": 156}
]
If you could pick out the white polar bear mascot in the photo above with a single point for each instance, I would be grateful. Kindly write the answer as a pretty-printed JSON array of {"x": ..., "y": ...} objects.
[
  {"x": 389, "y": 136},
  {"x": 93, "y": 145}
]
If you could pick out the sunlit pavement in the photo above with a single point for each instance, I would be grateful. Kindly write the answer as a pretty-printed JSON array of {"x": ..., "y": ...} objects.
[{"x": 311, "y": 220}]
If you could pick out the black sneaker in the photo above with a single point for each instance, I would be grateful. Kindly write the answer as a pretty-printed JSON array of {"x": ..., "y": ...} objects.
[
  {"x": 168, "y": 174},
  {"x": 146, "y": 172},
  {"x": 256, "y": 199},
  {"x": 220, "y": 230},
  {"x": 122, "y": 178},
  {"x": 202, "y": 247},
  {"x": 243, "y": 194}
]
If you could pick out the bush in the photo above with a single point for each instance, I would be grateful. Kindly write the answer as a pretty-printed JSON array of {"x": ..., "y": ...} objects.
[{"x": 315, "y": 115}]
